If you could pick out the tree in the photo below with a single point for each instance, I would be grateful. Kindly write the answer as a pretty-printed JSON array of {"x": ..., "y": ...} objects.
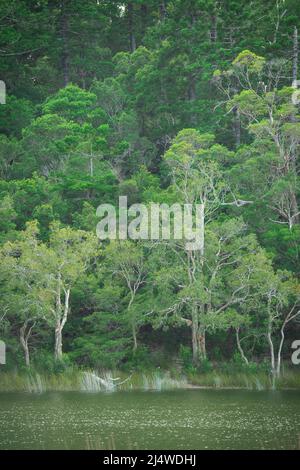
[
  {"x": 67, "y": 257},
  {"x": 280, "y": 298},
  {"x": 7, "y": 218},
  {"x": 48, "y": 142},
  {"x": 51, "y": 272},
  {"x": 22, "y": 296},
  {"x": 271, "y": 117},
  {"x": 196, "y": 181},
  {"x": 126, "y": 262},
  {"x": 211, "y": 295},
  {"x": 169, "y": 102}
]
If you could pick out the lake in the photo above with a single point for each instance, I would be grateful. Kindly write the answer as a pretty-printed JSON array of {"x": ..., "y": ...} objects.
[{"x": 180, "y": 419}]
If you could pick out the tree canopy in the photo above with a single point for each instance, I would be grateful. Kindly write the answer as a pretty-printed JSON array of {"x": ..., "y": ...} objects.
[{"x": 167, "y": 102}]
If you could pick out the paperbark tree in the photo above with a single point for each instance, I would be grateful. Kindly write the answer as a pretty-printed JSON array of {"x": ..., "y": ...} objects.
[
  {"x": 252, "y": 88},
  {"x": 281, "y": 298},
  {"x": 23, "y": 305},
  {"x": 25, "y": 334},
  {"x": 69, "y": 255},
  {"x": 197, "y": 181},
  {"x": 48, "y": 273},
  {"x": 214, "y": 295},
  {"x": 126, "y": 262}
]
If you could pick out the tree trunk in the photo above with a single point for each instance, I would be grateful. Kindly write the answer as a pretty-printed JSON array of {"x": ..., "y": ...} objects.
[
  {"x": 295, "y": 209},
  {"x": 134, "y": 336},
  {"x": 144, "y": 16},
  {"x": 60, "y": 323},
  {"x": 64, "y": 37},
  {"x": 202, "y": 232},
  {"x": 24, "y": 345},
  {"x": 58, "y": 342},
  {"x": 132, "y": 40},
  {"x": 272, "y": 354},
  {"x": 192, "y": 98},
  {"x": 237, "y": 127},
  {"x": 213, "y": 30},
  {"x": 195, "y": 344},
  {"x": 241, "y": 351},
  {"x": 295, "y": 56},
  {"x": 202, "y": 342},
  {"x": 24, "y": 338},
  {"x": 91, "y": 166},
  {"x": 278, "y": 371}
]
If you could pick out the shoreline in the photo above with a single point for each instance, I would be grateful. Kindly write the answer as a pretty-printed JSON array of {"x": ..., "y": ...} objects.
[
  {"x": 185, "y": 388},
  {"x": 108, "y": 381}
]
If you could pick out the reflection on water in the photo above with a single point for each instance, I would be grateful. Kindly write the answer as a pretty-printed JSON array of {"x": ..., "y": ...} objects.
[{"x": 182, "y": 419}]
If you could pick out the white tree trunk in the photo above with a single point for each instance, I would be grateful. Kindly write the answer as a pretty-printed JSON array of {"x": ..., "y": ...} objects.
[
  {"x": 60, "y": 323},
  {"x": 272, "y": 354},
  {"x": 134, "y": 336},
  {"x": 241, "y": 351},
  {"x": 194, "y": 327},
  {"x": 278, "y": 369},
  {"x": 58, "y": 341},
  {"x": 24, "y": 344},
  {"x": 24, "y": 338},
  {"x": 295, "y": 55}
]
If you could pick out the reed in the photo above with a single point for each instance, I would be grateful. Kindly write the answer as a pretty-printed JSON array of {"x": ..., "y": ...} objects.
[{"x": 111, "y": 381}]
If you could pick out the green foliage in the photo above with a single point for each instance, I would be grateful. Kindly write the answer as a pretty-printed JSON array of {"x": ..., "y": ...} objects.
[
  {"x": 179, "y": 101},
  {"x": 15, "y": 116},
  {"x": 72, "y": 103}
]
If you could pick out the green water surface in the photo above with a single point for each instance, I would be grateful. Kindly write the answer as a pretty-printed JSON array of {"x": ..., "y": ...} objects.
[{"x": 182, "y": 419}]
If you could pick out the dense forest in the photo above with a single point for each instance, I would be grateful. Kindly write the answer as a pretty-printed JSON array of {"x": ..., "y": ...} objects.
[{"x": 175, "y": 101}]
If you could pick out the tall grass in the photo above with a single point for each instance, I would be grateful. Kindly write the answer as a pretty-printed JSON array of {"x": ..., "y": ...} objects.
[
  {"x": 156, "y": 380},
  {"x": 88, "y": 381},
  {"x": 34, "y": 382},
  {"x": 100, "y": 381},
  {"x": 107, "y": 381},
  {"x": 245, "y": 380}
]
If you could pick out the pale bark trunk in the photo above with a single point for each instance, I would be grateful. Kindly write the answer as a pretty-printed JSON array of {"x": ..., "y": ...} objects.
[
  {"x": 24, "y": 338},
  {"x": 133, "y": 325},
  {"x": 295, "y": 210},
  {"x": 195, "y": 344},
  {"x": 134, "y": 336},
  {"x": 202, "y": 232},
  {"x": 278, "y": 371},
  {"x": 237, "y": 127},
  {"x": 291, "y": 316},
  {"x": 272, "y": 354},
  {"x": 241, "y": 351},
  {"x": 91, "y": 166},
  {"x": 60, "y": 323},
  {"x": 295, "y": 55},
  {"x": 24, "y": 345},
  {"x": 58, "y": 341}
]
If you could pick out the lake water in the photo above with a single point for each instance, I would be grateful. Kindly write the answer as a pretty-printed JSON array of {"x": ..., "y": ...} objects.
[{"x": 181, "y": 419}]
